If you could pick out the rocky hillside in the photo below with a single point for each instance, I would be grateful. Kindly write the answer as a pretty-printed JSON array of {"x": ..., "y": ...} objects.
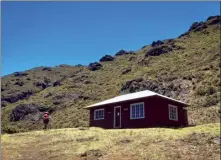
[{"x": 186, "y": 68}]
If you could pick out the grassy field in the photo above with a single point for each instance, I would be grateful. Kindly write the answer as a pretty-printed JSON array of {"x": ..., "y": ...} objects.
[{"x": 201, "y": 142}]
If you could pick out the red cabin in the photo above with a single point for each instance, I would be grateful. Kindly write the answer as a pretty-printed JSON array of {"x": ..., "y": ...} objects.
[{"x": 138, "y": 110}]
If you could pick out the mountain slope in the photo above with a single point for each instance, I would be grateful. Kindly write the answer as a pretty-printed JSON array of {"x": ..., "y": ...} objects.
[{"x": 185, "y": 68}]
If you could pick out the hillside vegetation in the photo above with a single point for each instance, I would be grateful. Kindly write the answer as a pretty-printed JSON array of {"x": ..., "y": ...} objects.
[
  {"x": 186, "y": 68},
  {"x": 193, "y": 143}
]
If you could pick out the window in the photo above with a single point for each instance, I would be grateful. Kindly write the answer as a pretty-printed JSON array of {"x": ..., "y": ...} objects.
[
  {"x": 98, "y": 114},
  {"x": 173, "y": 114},
  {"x": 137, "y": 110}
]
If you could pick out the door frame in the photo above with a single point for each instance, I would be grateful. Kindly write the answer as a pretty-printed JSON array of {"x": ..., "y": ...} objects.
[{"x": 115, "y": 116}]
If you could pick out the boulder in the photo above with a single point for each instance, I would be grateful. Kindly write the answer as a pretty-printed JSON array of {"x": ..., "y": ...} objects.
[
  {"x": 195, "y": 25},
  {"x": 42, "y": 85},
  {"x": 19, "y": 83},
  {"x": 87, "y": 82},
  {"x": 78, "y": 65},
  {"x": 46, "y": 69},
  {"x": 170, "y": 40},
  {"x": 16, "y": 97},
  {"x": 56, "y": 83},
  {"x": 213, "y": 20},
  {"x": 184, "y": 34},
  {"x": 3, "y": 104},
  {"x": 106, "y": 58},
  {"x": 27, "y": 111},
  {"x": 123, "y": 52},
  {"x": 20, "y": 74},
  {"x": 21, "y": 111},
  {"x": 212, "y": 17},
  {"x": 94, "y": 66},
  {"x": 126, "y": 70},
  {"x": 47, "y": 81},
  {"x": 65, "y": 66},
  {"x": 176, "y": 88},
  {"x": 156, "y": 51},
  {"x": 157, "y": 43},
  {"x": 144, "y": 47},
  {"x": 141, "y": 84},
  {"x": 200, "y": 28}
]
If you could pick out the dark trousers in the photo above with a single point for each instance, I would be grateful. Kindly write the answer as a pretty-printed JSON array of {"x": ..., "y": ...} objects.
[{"x": 46, "y": 121}]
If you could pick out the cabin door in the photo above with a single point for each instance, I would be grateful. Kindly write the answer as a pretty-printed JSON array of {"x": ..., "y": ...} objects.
[{"x": 117, "y": 117}]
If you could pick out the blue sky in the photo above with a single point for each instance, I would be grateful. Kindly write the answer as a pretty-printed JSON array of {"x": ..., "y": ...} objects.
[{"x": 53, "y": 33}]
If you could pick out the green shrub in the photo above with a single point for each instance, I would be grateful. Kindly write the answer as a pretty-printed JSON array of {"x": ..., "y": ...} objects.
[
  {"x": 200, "y": 91},
  {"x": 205, "y": 90},
  {"x": 211, "y": 90},
  {"x": 11, "y": 129},
  {"x": 211, "y": 100}
]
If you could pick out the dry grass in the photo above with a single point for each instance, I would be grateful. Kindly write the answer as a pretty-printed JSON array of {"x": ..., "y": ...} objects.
[{"x": 199, "y": 142}]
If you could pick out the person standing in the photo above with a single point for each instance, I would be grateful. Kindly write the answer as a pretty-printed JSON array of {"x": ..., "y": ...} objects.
[{"x": 46, "y": 119}]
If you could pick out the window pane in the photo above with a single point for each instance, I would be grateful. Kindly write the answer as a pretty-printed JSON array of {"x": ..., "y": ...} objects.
[
  {"x": 141, "y": 112},
  {"x": 133, "y": 111},
  {"x": 96, "y": 114},
  {"x": 173, "y": 113},
  {"x": 99, "y": 114},
  {"x": 133, "y": 115},
  {"x": 137, "y": 110}
]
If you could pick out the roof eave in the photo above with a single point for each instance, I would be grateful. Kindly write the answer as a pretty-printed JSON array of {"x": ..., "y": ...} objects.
[
  {"x": 161, "y": 96},
  {"x": 91, "y": 106},
  {"x": 165, "y": 97}
]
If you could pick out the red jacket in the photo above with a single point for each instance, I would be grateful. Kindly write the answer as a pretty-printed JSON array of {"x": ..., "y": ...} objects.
[{"x": 46, "y": 116}]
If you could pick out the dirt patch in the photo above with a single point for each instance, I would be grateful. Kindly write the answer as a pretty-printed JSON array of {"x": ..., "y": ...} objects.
[
  {"x": 92, "y": 154},
  {"x": 124, "y": 141},
  {"x": 86, "y": 139},
  {"x": 83, "y": 128}
]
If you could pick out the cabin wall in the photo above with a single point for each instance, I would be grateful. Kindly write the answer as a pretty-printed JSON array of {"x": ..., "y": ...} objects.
[
  {"x": 107, "y": 122},
  {"x": 160, "y": 112},
  {"x": 155, "y": 109}
]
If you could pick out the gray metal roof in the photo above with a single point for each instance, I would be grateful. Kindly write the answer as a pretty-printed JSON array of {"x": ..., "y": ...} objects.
[{"x": 132, "y": 96}]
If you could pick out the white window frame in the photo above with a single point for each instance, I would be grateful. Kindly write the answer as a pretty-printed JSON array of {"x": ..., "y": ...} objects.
[
  {"x": 97, "y": 110},
  {"x": 131, "y": 105},
  {"x": 173, "y": 107}
]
